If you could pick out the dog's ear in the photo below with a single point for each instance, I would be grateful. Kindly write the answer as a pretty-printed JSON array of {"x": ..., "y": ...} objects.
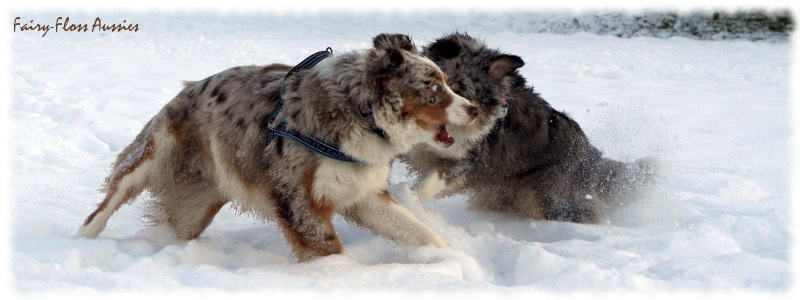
[
  {"x": 385, "y": 65},
  {"x": 388, "y": 41},
  {"x": 502, "y": 65},
  {"x": 444, "y": 48}
]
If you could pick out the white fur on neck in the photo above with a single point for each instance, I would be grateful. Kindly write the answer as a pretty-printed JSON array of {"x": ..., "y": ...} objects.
[
  {"x": 346, "y": 183},
  {"x": 370, "y": 148}
]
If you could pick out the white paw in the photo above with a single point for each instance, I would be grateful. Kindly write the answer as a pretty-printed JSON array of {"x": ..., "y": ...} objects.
[
  {"x": 429, "y": 186},
  {"x": 402, "y": 192},
  {"x": 88, "y": 232}
]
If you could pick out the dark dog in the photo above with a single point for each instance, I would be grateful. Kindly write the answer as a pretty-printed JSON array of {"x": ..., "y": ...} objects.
[
  {"x": 520, "y": 156},
  {"x": 210, "y": 145}
]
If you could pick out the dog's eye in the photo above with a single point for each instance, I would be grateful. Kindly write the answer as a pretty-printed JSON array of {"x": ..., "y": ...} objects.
[{"x": 435, "y": 88}]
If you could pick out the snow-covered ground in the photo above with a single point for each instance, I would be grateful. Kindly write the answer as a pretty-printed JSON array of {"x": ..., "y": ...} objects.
[{"x": 716, "y": 114}]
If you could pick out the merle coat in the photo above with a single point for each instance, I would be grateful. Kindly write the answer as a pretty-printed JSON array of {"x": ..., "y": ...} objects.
[{"x": 533, "y": 161}]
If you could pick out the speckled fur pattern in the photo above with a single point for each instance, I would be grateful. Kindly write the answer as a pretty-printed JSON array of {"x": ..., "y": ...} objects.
[
  {"x": 207, "y": 147},
  {"x": 536, "y": 163}
]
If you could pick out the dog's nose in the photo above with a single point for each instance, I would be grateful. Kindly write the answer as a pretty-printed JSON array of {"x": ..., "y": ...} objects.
[{"x": 472, "y": 111}]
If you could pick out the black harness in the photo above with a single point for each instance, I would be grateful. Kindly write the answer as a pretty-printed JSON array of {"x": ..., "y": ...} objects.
[{"x": 314, "y": 144}]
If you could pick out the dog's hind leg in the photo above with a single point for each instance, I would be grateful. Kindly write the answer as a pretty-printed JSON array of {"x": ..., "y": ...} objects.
[
  {"x": 188, "y": 208},
  {"x": 129, "y": 176},
  {"x": 385, "y": 217}
]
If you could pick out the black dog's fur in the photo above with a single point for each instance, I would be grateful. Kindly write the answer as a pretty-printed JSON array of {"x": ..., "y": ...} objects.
[{"x": 534, "y": 163}]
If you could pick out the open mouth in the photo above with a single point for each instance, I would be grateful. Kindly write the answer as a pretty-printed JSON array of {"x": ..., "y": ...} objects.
[{"x": 443, "y": 137}]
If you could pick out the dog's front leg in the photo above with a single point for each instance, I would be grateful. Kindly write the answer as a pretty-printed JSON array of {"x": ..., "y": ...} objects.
[
  {"x": 440, "y": 183},
  {"x": 307, "y": 225},
  {"x": 385, "y": 217}
]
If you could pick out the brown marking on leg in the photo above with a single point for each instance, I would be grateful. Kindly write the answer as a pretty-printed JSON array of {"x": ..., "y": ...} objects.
[
  {"x": 306, "y": 219},
  {"x": 285, "y": 220},
  {"x": 100, "y": 207},
  {"x": 295, "y": 239},
  {"x": 111, "y": 185},
  {"x": 385, "y": 196},
  {"x": 323, "y": 208},
  {"x": 130, "y": 193}
]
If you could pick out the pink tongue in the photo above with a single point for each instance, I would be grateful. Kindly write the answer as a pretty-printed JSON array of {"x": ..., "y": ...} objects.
[{"x": 444, "y": 137}]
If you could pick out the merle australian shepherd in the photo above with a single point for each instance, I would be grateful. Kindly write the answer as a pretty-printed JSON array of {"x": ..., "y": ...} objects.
[
  {"x": 208, "y": 146},
  {"x": 520, "y": 156}
]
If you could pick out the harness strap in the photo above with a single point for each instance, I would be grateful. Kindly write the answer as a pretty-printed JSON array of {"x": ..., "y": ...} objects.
[
  {"x": 314, "y": 144},
  {"x": 317, "y": 145},
  {"x": 310, "y": 61}
]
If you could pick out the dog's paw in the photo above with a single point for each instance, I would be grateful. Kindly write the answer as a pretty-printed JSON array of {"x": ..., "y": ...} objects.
[
  {"x": 84, "y": 233},
  {"x": 402, "y": 192},
  {"x": 429, "y": 187},
  {"x": 90, "y": 231}
]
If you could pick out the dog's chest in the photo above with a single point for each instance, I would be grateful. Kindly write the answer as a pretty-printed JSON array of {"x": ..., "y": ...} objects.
[{"x": 345, "y": 183}]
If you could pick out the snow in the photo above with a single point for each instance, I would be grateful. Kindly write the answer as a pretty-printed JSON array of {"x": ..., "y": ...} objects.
[{"x": 714, "y": 112}]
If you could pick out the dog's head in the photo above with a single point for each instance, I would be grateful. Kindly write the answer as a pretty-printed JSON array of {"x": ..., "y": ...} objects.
[
  {"x": 476, "y": 73},
  {"x": 413, "y": 98}
]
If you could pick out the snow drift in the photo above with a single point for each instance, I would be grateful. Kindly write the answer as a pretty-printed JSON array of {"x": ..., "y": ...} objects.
[{"x": 715, "y": 112}]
